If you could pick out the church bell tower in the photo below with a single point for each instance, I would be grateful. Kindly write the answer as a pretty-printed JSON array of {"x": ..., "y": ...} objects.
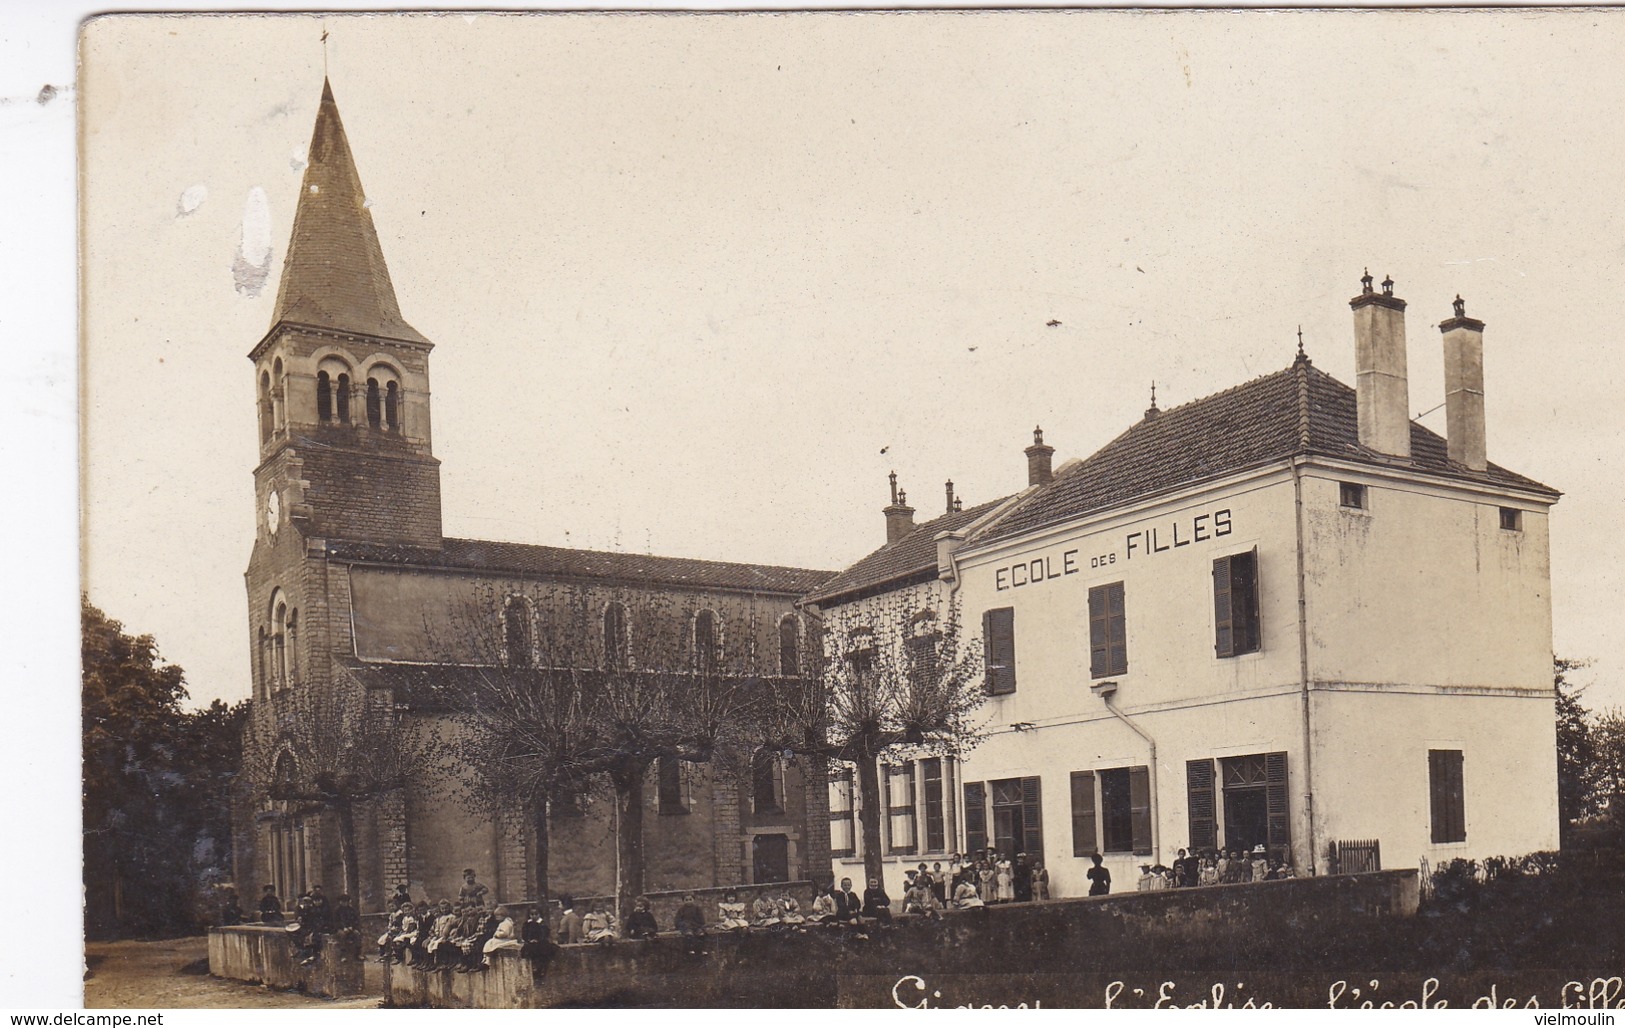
[{"x": 341, "y": 380}]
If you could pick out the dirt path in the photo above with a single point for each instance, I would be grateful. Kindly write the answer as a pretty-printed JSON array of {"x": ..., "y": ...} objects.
[{"x": 136, "y": 975}]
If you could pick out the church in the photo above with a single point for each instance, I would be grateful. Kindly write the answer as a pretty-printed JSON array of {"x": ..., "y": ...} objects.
[{"x": 352, "y": 585}]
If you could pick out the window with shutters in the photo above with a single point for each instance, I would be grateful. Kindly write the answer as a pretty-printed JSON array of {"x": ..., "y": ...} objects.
[
  {"x": 861, "y": 653},
  {"x": 1108, "y": 631},
  {"x": 1446, "y": 788},
  {"x": 999, "y": 648},
  {"x": 843, "y": 836},
  {"x": 900, "y": 809},
  {"x": 922, "y": 645},
  {"x": 1235, "y": 604},
  {"x": 1253, "y": 804},
  {"x": 975, "y": 817},
  {"x": 1084, "y": 840},
  {"x": 672, "y": 785},
  {"x": 1018, "y": 823},
  {"x": 932, "y": 796},
  {"x": 1125, "y": 809}
]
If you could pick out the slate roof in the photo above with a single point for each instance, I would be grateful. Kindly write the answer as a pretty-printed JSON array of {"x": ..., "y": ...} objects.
[
  {"x": 914, "y": 554},
  {"x": 1300, "y": 410},
  {"x": 559, "y": 562},
  {"x": 333, "y": 275}
]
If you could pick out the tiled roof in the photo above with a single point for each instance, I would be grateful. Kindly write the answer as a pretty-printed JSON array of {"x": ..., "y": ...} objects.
[
  {"x": 914, "y": 554},
  {"x": 333, "y": 275},
  {"x": 559, "y": 562},
  {"x": 1300, "y": 410}
]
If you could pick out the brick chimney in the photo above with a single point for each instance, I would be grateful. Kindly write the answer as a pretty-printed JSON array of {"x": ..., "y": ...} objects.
[
  {"x": 953, "y": 501},
  {"x": 1038, "y": 460},
  {"x": 899, "y": 516},
  {"x": 1464, "y": 388},
  {"x": 1381, "y": 389}
]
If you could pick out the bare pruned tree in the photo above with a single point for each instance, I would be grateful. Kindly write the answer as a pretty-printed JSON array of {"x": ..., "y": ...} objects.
[
  {"x": 898, "y": 677},
  {"x": 573, "y": 686},
  {"x": 332, "y": 748}
]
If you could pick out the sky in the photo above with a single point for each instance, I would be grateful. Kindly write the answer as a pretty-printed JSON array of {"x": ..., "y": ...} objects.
[{"x": 696, "y": 284}]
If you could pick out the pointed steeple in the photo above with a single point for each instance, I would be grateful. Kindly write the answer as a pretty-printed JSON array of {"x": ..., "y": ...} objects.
[{"x": 334, "y": 274}]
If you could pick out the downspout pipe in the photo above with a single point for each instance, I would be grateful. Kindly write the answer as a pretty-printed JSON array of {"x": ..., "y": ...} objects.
[
  {"x": 1296, "y": 465},
  {"x": 1106, "y": 690}
]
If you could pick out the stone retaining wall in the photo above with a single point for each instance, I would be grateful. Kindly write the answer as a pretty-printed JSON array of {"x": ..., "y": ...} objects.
[
  {"x": 255, "y": 953},
  {"x": 822, "y": 967}
]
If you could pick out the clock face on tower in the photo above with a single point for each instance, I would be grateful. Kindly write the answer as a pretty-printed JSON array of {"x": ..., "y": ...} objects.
[{"x": 273, "y": 511}]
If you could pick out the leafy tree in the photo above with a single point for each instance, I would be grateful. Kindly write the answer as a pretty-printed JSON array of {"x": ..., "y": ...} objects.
[
  {"x": 898, "y": 677},
  {"x": 1576, "y": 748},
  {"x": 157, "y": 784},
  {"x": 1608, "y": 783}
]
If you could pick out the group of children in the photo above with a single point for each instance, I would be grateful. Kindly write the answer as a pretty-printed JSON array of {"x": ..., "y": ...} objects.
[
  {"x": 459, "y": 936},
  {"x": 1214, "y": 867}
]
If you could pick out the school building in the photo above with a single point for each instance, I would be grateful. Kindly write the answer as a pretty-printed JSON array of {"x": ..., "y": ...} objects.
[{"x": 1281, "y": 615}]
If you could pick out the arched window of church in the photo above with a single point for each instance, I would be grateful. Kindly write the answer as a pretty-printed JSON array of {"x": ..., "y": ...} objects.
[
  {"x": 264, "y": 683},
  {"x": 267, "y": 417},
  {"x": 789, "y": 646},
  {"x": 617, "y": 645},
  {"x": 343, "y": 398},
  {"x": 324, "y": 396},
  {"x": 293, "y": 646},
  {"x": 374, "y": 408},
  {"x": 279, "y": 644},
  {"x": 392, "y": 407},
  {"x": 516, "y": 632},
  {"x": 707, "y": 641}
]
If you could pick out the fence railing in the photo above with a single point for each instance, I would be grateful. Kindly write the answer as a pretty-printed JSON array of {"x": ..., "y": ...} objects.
[{"x": 1355, "y": 856}]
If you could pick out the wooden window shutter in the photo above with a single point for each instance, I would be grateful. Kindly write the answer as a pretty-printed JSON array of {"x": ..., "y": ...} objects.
[
  {"x": 975, "y": 816},
  {"x": 1032, "y": 819},
  {"x": 1084, "y": 841},
  {"x": 1224, "y": 629},
  {"x": 1276, "y": 805},
  {"x": 1204, "y": 822},
  {"x": 1244, "y": 592},
  {"x": 1139, "y": 798},
  {"x": 1097, "y": 632},
  {"x": 1446, "y": 788},
  {"x": 999, "y": 635}
]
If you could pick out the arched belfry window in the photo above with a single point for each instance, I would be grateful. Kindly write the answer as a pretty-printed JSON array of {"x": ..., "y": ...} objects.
[
  {"x": 279, "y": 393},
  {"x": 392, "y": 407},
  {"x": 324, "y": 396},
  {"x": 707, "y": 641},
  {"x": 342, "y": 400},
  {"x": 617, "y": 644},
  {"x": 374, "y": 404},
  {"x": 267, "y": 415},
  {"x": 789, "y": 646},
  {"x": 517, "y": 638}
]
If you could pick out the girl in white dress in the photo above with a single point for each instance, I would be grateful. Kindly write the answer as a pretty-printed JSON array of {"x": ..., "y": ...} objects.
[{"x": 1007, "y": 881}]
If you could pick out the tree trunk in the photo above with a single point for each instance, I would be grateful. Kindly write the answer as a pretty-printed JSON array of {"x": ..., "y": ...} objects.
[
  {"x": 352, "y": 872},
  {"x": 869, "y": 817},
  {"x": 628, "y": 783},
  {"x": 539, "y": 849}
]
